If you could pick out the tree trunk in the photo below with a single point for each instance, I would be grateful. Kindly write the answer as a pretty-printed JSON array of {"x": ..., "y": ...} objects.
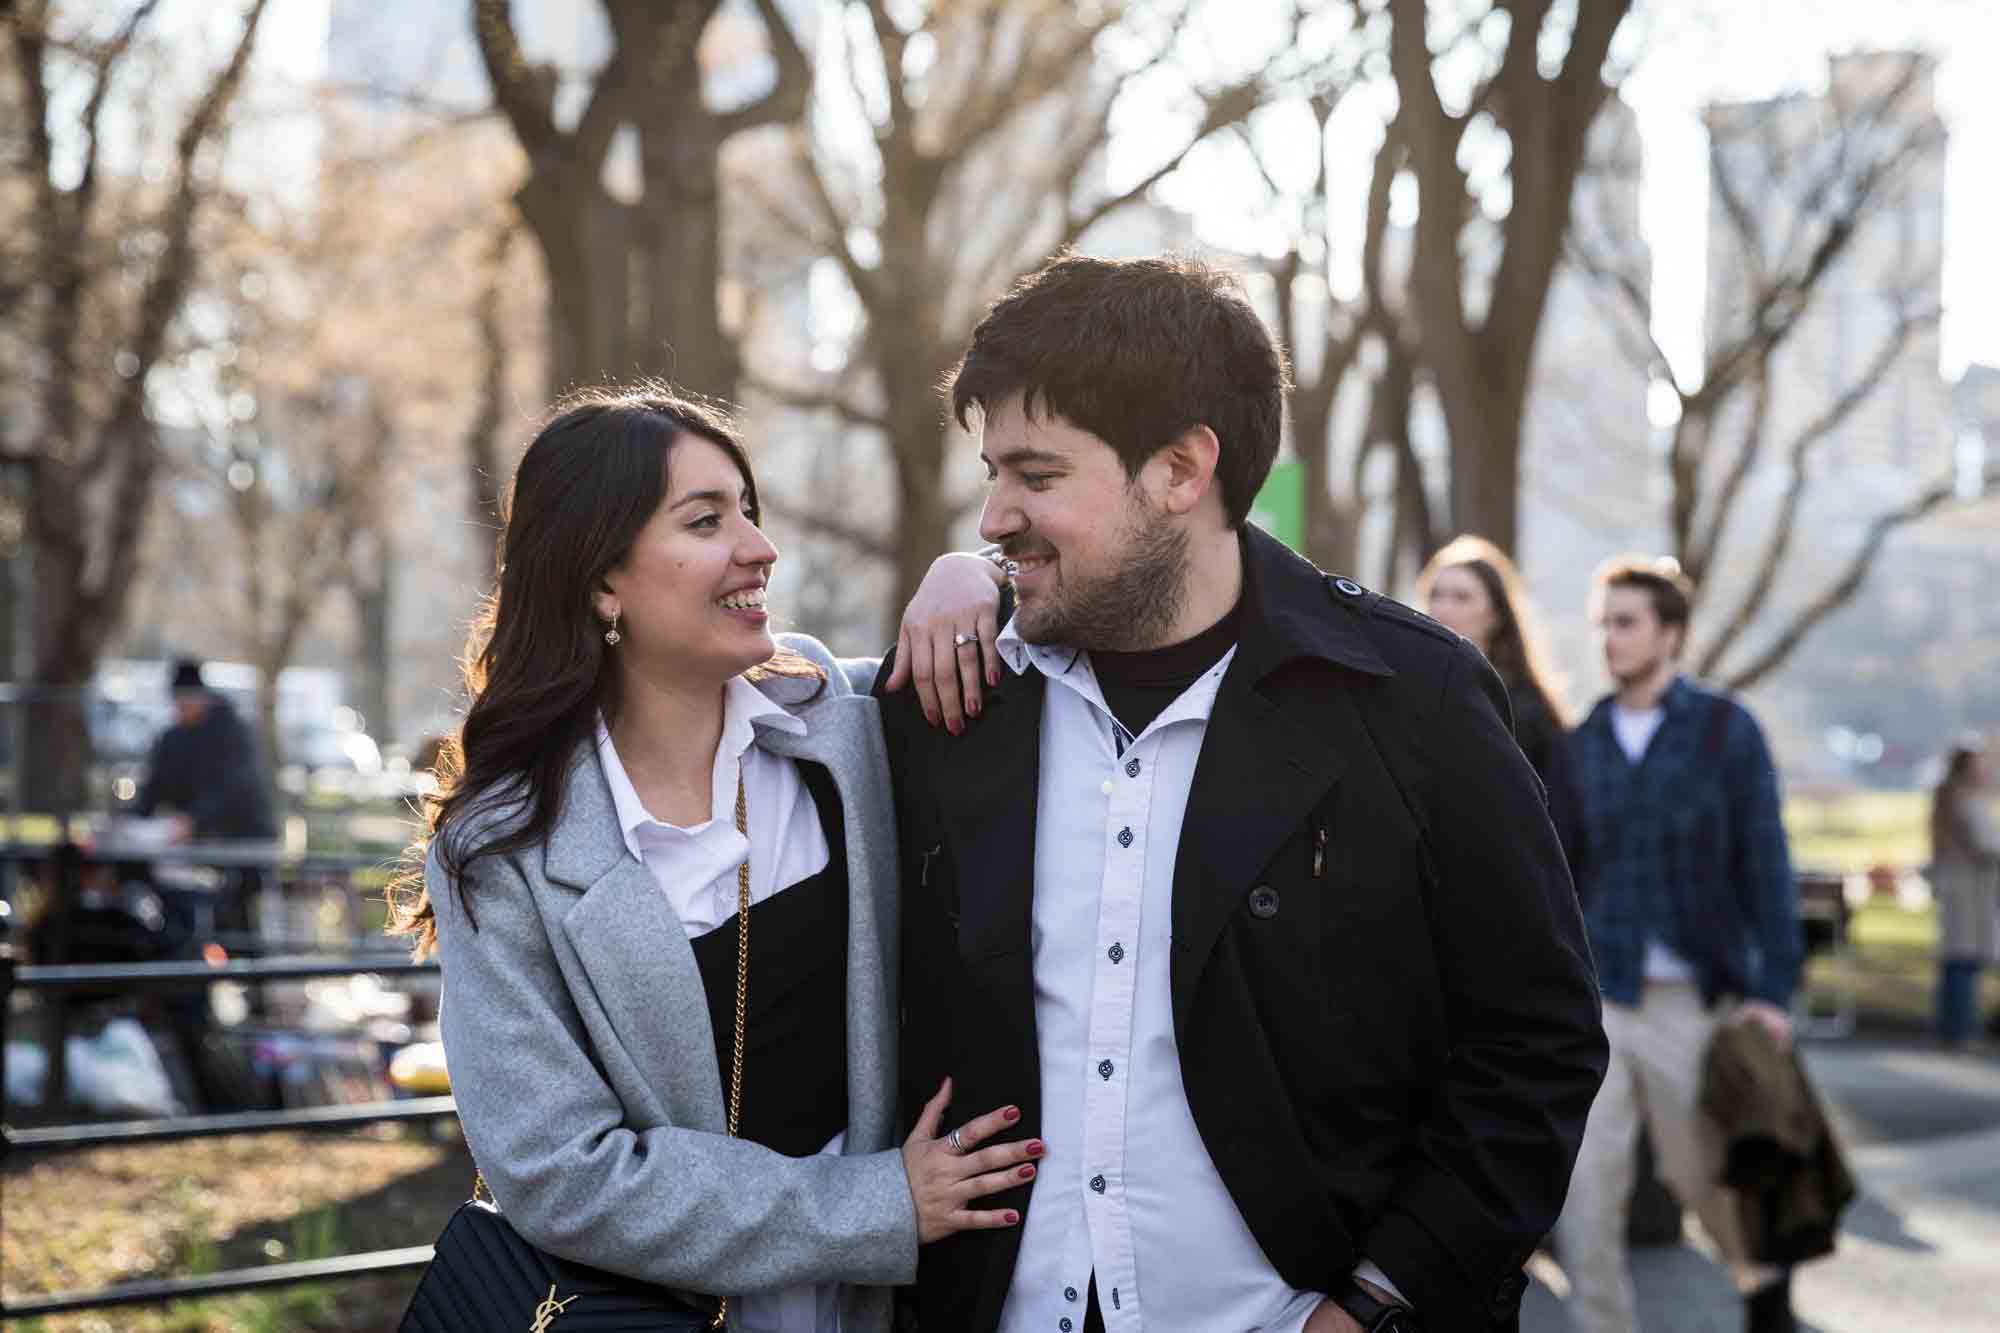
[
  {"x": 1485, "y": 468},
  {"x": 680, "y": 232},
  {"x": 373, "y": 600},
  {"x": 583, "y": 235}
]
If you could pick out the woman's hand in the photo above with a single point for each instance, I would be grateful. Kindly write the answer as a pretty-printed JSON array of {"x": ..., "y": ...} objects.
[
  {"x": 943, "y": 1180},
  {"x": 959, "y": 598}
]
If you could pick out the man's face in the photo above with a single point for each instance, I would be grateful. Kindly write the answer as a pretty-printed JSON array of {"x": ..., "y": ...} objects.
[
  {"x": 1636, "y": 644},
  {"x": 1099, "y": 564},
  {"x": 190, "y": 706}
]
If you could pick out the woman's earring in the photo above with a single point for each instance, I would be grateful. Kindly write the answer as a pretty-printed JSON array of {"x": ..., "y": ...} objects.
[{"x": 611, "y": 635}]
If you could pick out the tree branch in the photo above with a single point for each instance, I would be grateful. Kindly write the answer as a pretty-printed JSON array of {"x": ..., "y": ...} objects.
[
  {"x": 824, "y": 525},
  {"x": 1800, "y": 452},
  {"x": 525, "y": 93},
  {"x": 817, "y": 400},
  {"x": 787, "y": 99},
  {"x": 1838, "y": 593}
]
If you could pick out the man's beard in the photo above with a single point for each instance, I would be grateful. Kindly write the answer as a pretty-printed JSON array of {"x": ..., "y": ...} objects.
[{"x": 1131, "y": 608}]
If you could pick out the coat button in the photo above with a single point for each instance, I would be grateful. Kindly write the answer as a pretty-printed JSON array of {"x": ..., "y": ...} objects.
[
  {"x": 1507, "y": 1295},
  {"x": 1263, "y": 902},
  {"x": 1348, "y": 586},
  {"x": 1097, "y": 1184}
]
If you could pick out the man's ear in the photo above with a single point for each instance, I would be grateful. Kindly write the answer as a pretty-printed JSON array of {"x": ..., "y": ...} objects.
[{"x": 1187, "y": 468}]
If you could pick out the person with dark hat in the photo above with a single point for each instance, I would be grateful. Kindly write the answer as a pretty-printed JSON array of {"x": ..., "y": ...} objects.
[{"x": 204, "y": 768}]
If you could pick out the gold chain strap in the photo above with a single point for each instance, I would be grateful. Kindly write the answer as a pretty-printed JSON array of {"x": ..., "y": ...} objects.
[
  {"x": 742, "y": 985},
  {"x": 742, "y": 1004}
]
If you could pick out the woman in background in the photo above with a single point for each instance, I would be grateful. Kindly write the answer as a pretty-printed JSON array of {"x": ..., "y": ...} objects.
[
  {"x": 1965, "y": 880},
  {"x": 1472, "y": 587}
]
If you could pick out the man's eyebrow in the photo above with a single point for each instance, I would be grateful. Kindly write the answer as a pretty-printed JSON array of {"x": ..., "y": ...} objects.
[
  {"x": 1024, "y": 456},
  {"x": 712, "y": 496}
]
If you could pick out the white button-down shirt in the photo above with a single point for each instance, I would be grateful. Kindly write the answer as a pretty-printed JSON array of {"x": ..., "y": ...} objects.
[
  {"x": 1128, "y": 1191},
  {"x": 696, "y": 868}
]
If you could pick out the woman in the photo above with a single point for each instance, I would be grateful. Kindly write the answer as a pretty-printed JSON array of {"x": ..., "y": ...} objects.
[
  {"x": 1472, "y": 587},
  {"x": 1965, "y": 879},
  {"x": 634, "y": 730}
]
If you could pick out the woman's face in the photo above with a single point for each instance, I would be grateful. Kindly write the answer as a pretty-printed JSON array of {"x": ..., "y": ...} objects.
[
  {"x": 690, "y": 593},
  {"x": 1459, "y": 602}
]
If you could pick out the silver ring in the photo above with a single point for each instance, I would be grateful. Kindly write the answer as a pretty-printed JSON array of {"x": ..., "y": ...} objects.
[
  {"x": 961, "y": 640},
  {"x": 957, "y": 1145}
]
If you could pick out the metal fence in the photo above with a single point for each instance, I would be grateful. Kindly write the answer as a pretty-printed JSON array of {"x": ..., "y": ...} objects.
[{"x": 56, "y": 982}]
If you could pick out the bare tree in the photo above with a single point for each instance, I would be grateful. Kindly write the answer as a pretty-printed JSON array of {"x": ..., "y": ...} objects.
[
  {"x": 1807, "y": 195},
  {"x": 1475, "y": 304},
  {"x": 979, "y": 155},
  {"x": 102, "y": 296},
  {"x": 633, "y": 286}
]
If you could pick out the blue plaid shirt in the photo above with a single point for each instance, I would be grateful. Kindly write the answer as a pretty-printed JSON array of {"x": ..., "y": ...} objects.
[{"x": 1686, "y": 847}]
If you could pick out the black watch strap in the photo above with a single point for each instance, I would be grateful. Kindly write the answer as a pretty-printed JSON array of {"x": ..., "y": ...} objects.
[{"x": 1372, "y": 1313}]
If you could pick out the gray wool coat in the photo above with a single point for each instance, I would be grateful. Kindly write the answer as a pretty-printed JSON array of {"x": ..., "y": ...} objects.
[{"x": 581, "y": 1054}]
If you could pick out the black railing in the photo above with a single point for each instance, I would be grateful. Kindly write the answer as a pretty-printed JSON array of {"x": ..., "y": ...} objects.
[{"x": 56, "y": 981}]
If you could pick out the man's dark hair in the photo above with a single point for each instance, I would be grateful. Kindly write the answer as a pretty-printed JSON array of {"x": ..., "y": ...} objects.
[
  {"x": 1671, "y": 591},
  {"x": 1136, "y": 352}
]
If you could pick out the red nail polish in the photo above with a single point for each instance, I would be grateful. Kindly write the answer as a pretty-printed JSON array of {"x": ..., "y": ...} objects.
[
  {"x": 1028, "y": 1172},
  {"x": 993, "y": 678},
  {"x": 1011, "y": 1114},
  {"x": 1036, "y": 1148},
  {"x": 955, "y": 728},
  {"x": 972, "y": 709},
  {"x": 1012, "y": 1217}
]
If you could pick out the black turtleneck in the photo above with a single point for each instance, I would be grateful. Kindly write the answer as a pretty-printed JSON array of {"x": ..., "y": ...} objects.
[{"x": 1140, "y": 685}]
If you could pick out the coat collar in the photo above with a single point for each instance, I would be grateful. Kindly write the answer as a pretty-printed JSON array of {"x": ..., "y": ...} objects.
[{"x": 588, "y": 840}]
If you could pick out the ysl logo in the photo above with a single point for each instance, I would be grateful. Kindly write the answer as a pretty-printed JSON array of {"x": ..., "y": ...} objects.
[{"x": 546, "y": 1312}]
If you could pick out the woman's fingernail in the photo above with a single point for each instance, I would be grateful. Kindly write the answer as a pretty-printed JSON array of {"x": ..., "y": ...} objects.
[
  {"x": 955, "y": 728},
  {"x": 1011, "y": 1114},
  {"x": 993, "y": 676},
  {"x": 972, "y": 709},
  {"x": 1027, "y": 1172},
  {"x": 1012, "y": 1217},
  {"x": 1036, "y": 1148}
]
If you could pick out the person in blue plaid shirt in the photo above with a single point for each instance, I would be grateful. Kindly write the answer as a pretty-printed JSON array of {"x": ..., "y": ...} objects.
[{"x": 1686, "y": 883}]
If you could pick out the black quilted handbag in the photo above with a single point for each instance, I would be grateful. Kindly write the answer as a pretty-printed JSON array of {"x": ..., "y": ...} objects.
[{"x": 486, "y": 1279}]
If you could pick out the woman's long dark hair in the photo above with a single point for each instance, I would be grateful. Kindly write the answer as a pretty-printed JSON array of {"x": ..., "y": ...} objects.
[
  {"x": 1513, "y": 652},
  {"x": 1957, "y": 775},
  {"x": 536, "y": 667}
]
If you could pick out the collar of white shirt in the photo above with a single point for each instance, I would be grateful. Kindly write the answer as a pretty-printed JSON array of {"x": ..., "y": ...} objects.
[
  {"x": 744, "y": 706},
  {"x": 1071, "y": 665}
]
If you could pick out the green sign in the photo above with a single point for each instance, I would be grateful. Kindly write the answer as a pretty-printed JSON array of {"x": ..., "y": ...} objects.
[{"x": 1280, "y": 508}]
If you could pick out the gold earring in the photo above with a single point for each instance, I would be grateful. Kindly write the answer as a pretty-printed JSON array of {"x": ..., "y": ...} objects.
[{"x": 611, "y": 635}]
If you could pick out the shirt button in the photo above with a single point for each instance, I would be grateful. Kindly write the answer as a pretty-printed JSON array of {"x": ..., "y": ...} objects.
[
  {"x": 1069, "y": 1293},
  {"x": 1106, "y": 788},
  {"x": 1065, "y": 1325},
  {"x": 1125, "y": 837},
  {"x": 1263, "y": 902},
  {"x": 1097, "y": 1184},
  {"x": 1104, "y": 1069},
  {"x": 1116, "y": 953},
  {"x": 1131, "y": 768}
]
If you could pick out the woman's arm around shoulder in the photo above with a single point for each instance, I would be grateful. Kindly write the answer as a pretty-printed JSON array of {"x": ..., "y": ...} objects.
[{"x": 693, "y": 1210}]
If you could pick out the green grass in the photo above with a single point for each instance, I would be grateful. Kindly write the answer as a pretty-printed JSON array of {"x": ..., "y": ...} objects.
[{"x": 1856, "y": 831}]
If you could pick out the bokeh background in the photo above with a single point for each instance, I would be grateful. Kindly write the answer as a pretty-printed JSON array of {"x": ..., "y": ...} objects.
[{"x": 285, "y": 285}]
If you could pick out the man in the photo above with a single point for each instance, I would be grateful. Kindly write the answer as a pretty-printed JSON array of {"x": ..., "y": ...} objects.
[
  {"x": 1237, "y": 885},
  {"x": 204, "y": 768},
  {"x": 1692, "y": 910}
]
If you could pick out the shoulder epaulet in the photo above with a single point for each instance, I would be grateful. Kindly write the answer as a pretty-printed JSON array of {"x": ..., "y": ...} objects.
[{"x": 1347, "y": 592}]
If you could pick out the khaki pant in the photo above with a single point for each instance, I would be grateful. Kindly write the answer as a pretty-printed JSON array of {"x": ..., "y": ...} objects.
[{"x": 1657, "y": 1051}]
